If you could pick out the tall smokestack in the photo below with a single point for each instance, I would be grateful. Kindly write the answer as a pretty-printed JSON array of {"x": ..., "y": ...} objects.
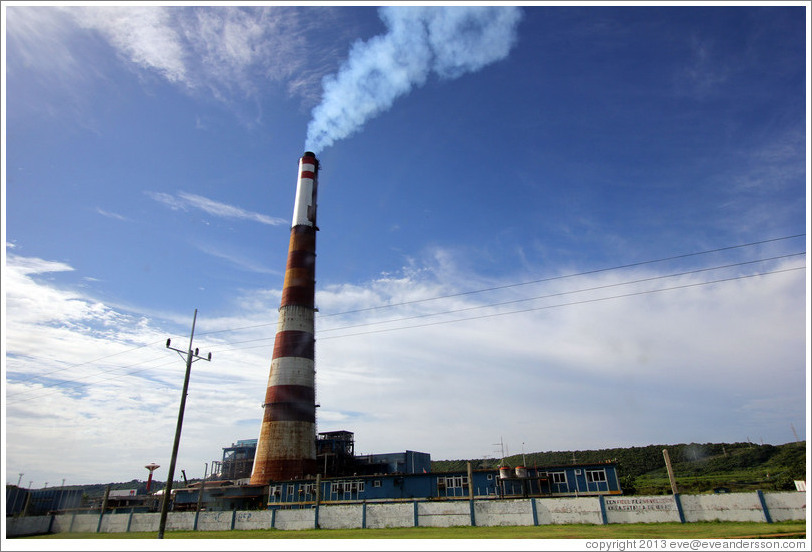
[{"x": 286, "y": 448}]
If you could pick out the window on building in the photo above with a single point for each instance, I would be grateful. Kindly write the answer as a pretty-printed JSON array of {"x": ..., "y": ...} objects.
[
  {"x": 376, "y": 483},
  {"x": 290, "y": 490},
  {"x": 347, "y": 487},
  {"x": 558, "y": 477},
  {"x": 453, "y": 482},
  {"x": 596, "y": 476}
]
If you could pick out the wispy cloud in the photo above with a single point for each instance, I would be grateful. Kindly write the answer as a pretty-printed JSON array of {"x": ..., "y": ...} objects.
[
  {"x": 243, "y": 262},
  {"x": 110, "y": 214},
  {"x": 224, "y": 52},
  {"x": 706, "y": 72},
  {"x": 145, "y": 36},
  {"x": 701, "y": 356},
  {"x": 102, "y": 373},
  {"x": 185, "y": 201}
]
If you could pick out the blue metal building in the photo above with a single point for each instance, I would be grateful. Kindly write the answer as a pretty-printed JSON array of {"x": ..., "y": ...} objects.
[
  {"x": 37, "y": 502},
  {"x": 551, "y": 481}
]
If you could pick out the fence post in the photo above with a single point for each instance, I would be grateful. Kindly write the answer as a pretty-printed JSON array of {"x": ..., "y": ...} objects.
[
  {"x": 364, "y": 515},
  {"x": 678, "y": 502},
  {"x": 602, "y": 503},
  {"x": 416, "y": 522},
  {"x": 535, "y": 511},
  {"x": 767, "y": 517},
  {"x": 130, "y": 520},
  {"x": 103, "y": 508}
]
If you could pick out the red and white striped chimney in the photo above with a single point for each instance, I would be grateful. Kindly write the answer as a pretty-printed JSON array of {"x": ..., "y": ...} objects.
[{"x": 286, "y": 448}]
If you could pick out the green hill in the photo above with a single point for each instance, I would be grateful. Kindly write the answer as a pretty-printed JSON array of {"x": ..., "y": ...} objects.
[{"x": 697, "y": 467}]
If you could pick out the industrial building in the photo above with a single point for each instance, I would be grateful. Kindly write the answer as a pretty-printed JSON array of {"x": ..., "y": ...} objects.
[
  {"x": 291, "y": 466},
  {"x": 551, "y": 481},
  {"x": 38, "y": 502},
  {"x": 237, "y": 462},
  {"x": 343, "y": 477}
]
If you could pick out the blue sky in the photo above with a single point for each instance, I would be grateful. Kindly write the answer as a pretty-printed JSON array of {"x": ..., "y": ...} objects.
[{"x": 150, "y": 169}]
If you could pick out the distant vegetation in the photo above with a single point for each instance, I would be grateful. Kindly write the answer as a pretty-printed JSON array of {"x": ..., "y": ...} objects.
[{"x": 697, "y": 467}]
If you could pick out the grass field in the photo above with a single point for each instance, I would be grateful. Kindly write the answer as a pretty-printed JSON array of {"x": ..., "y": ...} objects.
[{"x": 699, "y": 530}]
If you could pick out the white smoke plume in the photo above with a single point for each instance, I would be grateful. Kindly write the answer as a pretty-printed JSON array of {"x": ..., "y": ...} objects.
[{"x": 446, "y": 41}]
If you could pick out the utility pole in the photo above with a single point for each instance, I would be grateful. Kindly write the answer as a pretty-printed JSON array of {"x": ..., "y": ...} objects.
[
  {"x": 189, "y": 356},
  {"x": 670, "y": 471},
  {"x": 202, "y": 486}
]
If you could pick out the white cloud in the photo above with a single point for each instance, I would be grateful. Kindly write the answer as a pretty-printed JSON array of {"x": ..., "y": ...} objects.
[
  {"x": 221, "y": 51},
  {"x": 224, "y": 210},
  {"x": 716, "y": 362},
  {"x": 225, "y": 53},
  {"x": 110, "y": 214},
  {"x": 184, "y": 201},
  {"x": 97, "y": 384},
  {"x": 145, "y": 36},
  {"x": 243, "y": 262}
]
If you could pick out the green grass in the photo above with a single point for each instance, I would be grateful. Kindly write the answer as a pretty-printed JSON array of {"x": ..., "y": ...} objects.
[{"x": 698, "y": 530}]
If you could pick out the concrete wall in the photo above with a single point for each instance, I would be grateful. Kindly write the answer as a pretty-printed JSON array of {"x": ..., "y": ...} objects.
[
  {"x": 340, "y": 517},
  {"x": 569, "y": 510},
  {"x": 786, "y": 506},
  {"x": 722, "y": 507},
  {"x": 256, "y": 519},
  {"x": 291, "y": 520},
  {"x": 216, "y": 521},
  {"x": 380, "y": 516},
  {"x": 443, "y": 514},
  {"x": 114, "y": 523},
  {"x": 504, "y": 512},
  {"x": 84, "y": 523},
  {"x": 29, "y": 525},
  {"x": 145, "y": 522},
  {"x": 594, "y": 510},
  {"x": 641, "y": 509}
]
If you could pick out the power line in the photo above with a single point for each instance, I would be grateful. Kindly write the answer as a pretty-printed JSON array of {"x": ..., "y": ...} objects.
[
  {"x": 22, "y": 396},
  {"x": 72, "y": 366},
  {"x": 506, "y": 286},
  {"x": 573, "y": 275},
  {"x": 381, "y": 322},
  {"x": 606, "y": 286},
  {"x": 491, "y": 315},
  {"x": 619, "y": 267},
  {"x": 566, "y": 304}
]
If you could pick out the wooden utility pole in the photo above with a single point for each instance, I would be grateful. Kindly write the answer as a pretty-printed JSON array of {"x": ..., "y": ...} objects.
[
  {"x": 670, "y": 472},
  {"x": 190, "y": 356}
]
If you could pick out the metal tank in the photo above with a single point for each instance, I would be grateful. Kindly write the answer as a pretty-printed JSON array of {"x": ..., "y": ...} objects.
[{"x": 286, "y": 448}]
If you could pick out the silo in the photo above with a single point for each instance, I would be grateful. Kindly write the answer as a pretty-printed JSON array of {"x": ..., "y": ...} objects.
[{"x": 286, "y": 448}]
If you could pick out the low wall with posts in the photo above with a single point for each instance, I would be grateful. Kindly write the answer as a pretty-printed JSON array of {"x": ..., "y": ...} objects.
[{"x": 758, "y": 506}]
